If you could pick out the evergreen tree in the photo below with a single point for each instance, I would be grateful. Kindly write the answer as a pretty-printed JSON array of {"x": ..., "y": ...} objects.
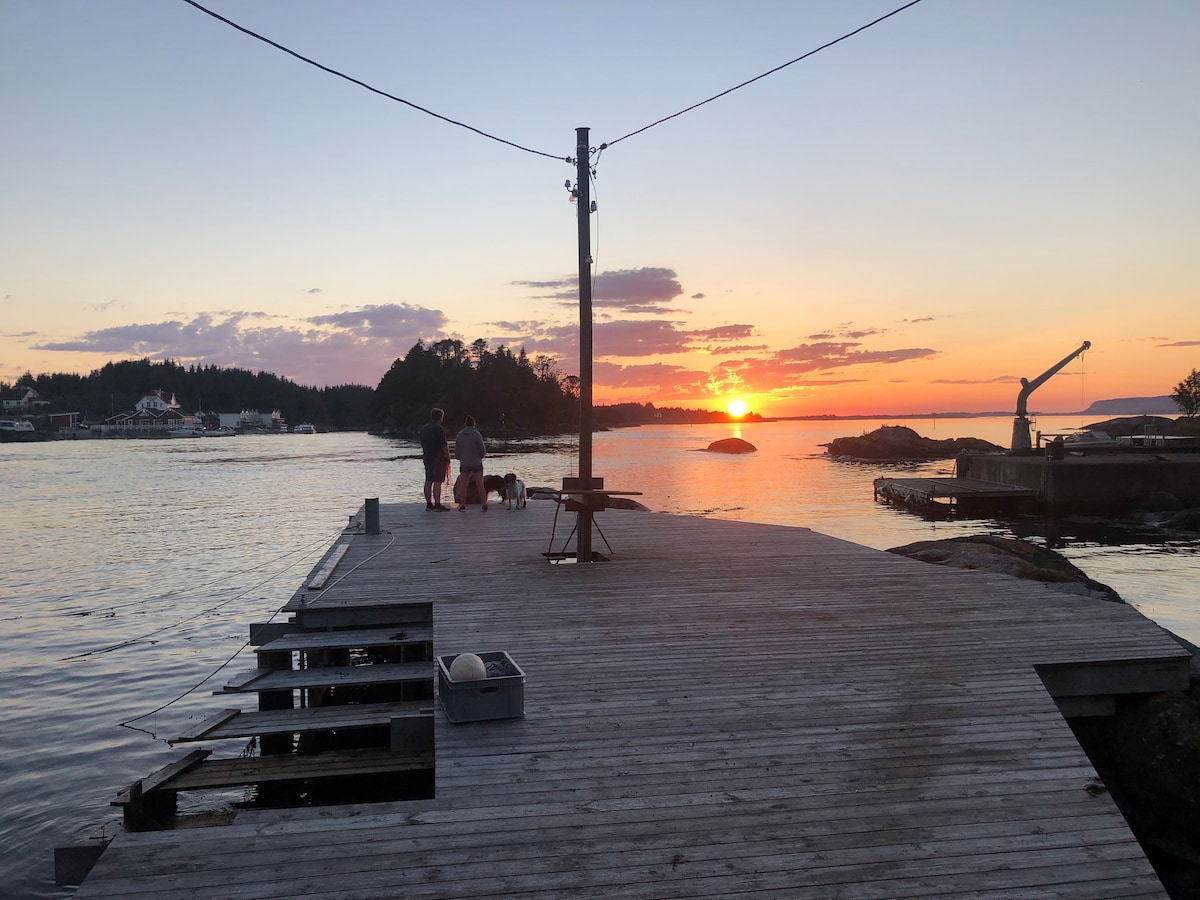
[{"x": 1187, "y": 394}]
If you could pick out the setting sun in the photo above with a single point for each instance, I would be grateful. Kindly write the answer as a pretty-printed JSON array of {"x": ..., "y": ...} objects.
[{"x": 737, "y": 408}]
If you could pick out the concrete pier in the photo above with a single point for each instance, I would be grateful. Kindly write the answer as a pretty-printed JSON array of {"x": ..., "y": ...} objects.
[{"x": 1089, "y": 482}]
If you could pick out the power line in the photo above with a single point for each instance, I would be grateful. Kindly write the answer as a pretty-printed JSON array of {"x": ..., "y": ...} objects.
[
  {"x": 363, "y": 84},
  {"x": 848, "y": 34},
  {"x": 493, "y": 137}
]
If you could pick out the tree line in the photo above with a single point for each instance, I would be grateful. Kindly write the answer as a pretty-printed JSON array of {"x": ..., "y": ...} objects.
[
  {"x": 505, "y": 391},
  {"x": 117, "y": 386},
  {"x": 501, "y": 389}
]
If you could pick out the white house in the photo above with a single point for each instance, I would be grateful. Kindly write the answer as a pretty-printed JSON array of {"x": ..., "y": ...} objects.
[
  {"x": 251, "y": 420},
  {"x": 23, "y": 398},
  {"x": 155, "y": 410}
]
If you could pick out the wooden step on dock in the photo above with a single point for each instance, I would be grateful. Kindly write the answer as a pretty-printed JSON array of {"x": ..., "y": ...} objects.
[
  {"x": 723, "y": 709},
  {"x": 260, "y": 680},
  {"x": 315, "y": 665},
  {"x": 236, "y": 723}
]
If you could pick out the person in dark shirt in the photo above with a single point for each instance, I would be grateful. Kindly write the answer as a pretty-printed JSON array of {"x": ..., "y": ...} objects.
[{"x": 435, "y": 451}]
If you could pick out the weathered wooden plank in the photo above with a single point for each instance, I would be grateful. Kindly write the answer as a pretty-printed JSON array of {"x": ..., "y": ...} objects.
[
  {"x": 353, "y": 639},
  {"x": 202, "y": 729},
  {"x": 302, "y": 720},
  {"x": 163, "y": 775},
  {"x": 325, "y": 571},
  {"x": 323, "y": 676},
  {"x": 219, "y": 773}
]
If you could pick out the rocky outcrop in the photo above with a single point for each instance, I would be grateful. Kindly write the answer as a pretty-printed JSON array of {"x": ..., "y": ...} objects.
[
  {"x": 731, "y": 445},
  {"x": 895, "y": 442},
  {"x": 610, "y": 502},
  {"x": 1148, "y": 758},
  {"x": 1011, "y": 557},
  {"x": 1125, "y": 426}
]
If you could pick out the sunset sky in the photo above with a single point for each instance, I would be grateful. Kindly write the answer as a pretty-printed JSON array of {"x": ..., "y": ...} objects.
[{"x": 906, "y": 222}]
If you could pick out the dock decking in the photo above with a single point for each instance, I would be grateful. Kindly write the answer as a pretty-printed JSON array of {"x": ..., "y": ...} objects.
[{"x": 723, "y": 710}]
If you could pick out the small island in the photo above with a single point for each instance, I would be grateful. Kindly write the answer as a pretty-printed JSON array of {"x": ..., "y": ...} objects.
[{"x": 896, "y": 442}]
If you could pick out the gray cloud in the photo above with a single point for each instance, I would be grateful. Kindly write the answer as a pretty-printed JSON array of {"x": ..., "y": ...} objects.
[
  {"x": 644, "y": 290},
  {"x": 999, "y": 379},
  {"x": 828, "y": 355},
  {"x": 354, "y": 346},
  {"x": 1181, "y": 344},
  {"x": 723, "y": 333}
]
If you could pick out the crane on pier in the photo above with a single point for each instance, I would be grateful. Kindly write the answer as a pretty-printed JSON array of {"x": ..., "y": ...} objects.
[{"x": 1021, "y": 424}]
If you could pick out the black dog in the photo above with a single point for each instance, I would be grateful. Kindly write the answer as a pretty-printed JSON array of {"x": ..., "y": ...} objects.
[{"x": 466, "y": 492}]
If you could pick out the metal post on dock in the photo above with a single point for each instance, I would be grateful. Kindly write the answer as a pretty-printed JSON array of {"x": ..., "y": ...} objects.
[{"x": 372, "y": 514}]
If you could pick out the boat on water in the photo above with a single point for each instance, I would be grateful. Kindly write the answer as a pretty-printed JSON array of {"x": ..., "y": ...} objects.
[
  {"x": 199, "y": 431},
  {"x": 1089, "y": 438},
  {"x": 17, "y": 431},
  {"x": 305, "y": 428}
]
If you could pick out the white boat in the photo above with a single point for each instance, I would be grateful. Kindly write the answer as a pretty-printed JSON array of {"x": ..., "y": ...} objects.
[
  {"x": 21, "y": 426},
  {"x": 304, "y": 428},
  {"x": 1089, "y": 438},
  {"x": 198, "y": 431}
]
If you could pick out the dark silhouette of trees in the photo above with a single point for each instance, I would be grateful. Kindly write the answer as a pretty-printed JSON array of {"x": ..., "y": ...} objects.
[
  {"x": 117, "y": 386},
  {"x": 1187, "y": 394},
  {"x": 504, "y": 391},
  {"x": 501, "y": 389}
]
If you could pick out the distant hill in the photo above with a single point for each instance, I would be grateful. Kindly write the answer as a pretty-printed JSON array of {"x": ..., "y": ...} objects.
[{"x": 1142, "y": 406}]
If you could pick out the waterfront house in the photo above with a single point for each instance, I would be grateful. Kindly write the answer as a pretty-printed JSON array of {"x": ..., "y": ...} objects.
[
  {"x": 155, "y": 412},
  {"x": 252, "y": 421},
  {"x": 22, "y": 398}
]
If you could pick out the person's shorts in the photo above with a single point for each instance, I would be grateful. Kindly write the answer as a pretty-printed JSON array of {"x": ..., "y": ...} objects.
[
  {"x": 469, "y": 470},
  {"x": 435, "y": 471}
]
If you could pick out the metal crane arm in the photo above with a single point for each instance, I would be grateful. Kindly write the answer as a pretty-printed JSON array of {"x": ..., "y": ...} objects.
[{"x": 1028, "y": 387}]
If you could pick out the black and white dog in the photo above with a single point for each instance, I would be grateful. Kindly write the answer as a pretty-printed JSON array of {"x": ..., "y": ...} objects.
[{"x": 514, "y": 487}]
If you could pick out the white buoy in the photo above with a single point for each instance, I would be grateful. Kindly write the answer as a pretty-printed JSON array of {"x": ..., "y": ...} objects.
[{"x": 468, "y": 667}]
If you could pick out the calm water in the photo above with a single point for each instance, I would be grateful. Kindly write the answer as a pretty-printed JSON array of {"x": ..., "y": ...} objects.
[{"x": 133, "y": 568}]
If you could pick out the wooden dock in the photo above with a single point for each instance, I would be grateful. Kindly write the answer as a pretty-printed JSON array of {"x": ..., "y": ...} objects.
[
  {"x": 723, "y": 709},
  {"x": 951, "y": 494}
]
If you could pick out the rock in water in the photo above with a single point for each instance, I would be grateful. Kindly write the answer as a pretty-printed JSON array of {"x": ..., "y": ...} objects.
[
  {"x": 731, "y": 445},
  {"x": 898, "y": 442}
]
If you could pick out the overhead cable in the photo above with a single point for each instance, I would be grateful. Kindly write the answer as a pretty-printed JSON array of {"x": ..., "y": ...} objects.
[
  {"x": 363, "y": 84},
  {"x": 848, "y": 34}
]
